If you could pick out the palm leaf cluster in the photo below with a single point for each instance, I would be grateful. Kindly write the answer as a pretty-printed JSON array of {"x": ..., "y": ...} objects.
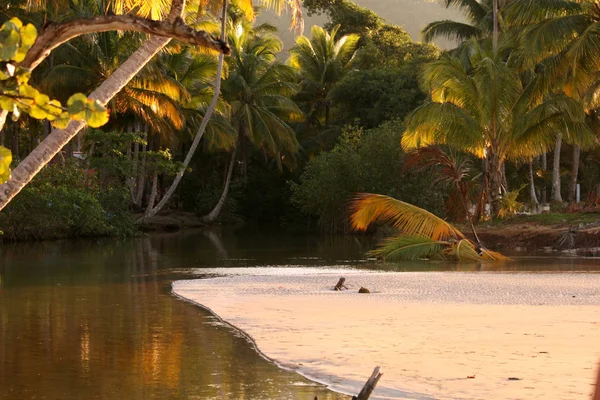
[{"x": 423, "y": 235}]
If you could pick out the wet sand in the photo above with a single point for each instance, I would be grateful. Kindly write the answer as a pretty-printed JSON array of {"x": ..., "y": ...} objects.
[{"x": 435, "y": 335}]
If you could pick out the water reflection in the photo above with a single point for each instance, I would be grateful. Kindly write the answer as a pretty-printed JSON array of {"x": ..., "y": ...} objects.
[{"x": 96, "y": 319}]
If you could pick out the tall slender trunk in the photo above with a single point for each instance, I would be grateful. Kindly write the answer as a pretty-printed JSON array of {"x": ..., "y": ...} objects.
[
  {"x": 533, "y": 197},
  {"x": 153, "y": 192},
  {"x": 214, "y": 214},
  {"x": 571, "y": 197},
  {"x": 556, "y": 196},
  {"x": 201, "y": 129},
  {"x": 141, "y": 183},
  {"x": 495, "y": 182},
  {"x": 544, "y": 167},
  {"x": 15, "y": 142},
  {"x": 495, "y": 28},
  {"x": 504, "y": 180},
  {"x": 51, "y": 145}
]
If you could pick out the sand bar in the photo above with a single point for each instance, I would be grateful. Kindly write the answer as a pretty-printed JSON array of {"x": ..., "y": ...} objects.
[{"x": 435, "y": 335}]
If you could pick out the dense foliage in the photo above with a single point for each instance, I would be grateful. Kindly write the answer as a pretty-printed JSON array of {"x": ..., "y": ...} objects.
[
  {"x": 362, "y": 161},
  {"x": 511, "y": 107}
]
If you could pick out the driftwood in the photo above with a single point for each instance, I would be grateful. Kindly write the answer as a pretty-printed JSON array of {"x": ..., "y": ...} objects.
[
  {"x": 340, "y": 285},
  {"x": 366, "y": 391}
]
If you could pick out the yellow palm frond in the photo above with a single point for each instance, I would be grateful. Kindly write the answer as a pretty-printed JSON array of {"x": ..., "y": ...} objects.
[
  {"x": 411, "y": 220},
  {"x": 489, "y": 255}
]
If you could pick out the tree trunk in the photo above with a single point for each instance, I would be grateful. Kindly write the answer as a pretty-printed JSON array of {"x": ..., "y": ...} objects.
[
  {"x": 544, "y": 166},
  {"x": 534, "y": 200},
  {"x": 495, "y": 28},
  {"x": 141, "y": 183},
  {"x": 50, "y": 146},
  {"x": 201, "y": 129},
  {"x": 214, "y": 214},
  {"x": 504, "y": 180},
  {"x": 495, "y": 183},
  {"x": 556, "y": 196},
  {"x": 153, "y": 192},
  {"x": 574, "y": 172}
]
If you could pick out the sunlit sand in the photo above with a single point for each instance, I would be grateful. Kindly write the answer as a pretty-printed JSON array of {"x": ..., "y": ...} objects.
[{"x": 435, "y": 335}]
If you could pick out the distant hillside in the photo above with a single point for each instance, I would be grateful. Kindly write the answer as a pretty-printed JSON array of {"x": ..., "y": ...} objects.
[{"x": 412, "y": 15}]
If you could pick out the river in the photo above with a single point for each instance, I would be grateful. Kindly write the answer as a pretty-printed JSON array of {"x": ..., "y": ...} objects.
[{"x": 90, "y": 319}]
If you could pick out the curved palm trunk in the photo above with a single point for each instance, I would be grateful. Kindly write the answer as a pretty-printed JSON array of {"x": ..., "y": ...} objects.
[
  {"x": 556, "y": 196},
  {"x": 571, "y": 197},
  {"x": 55, "y": 141},
  {"x": 534, "y": 200},
  {"x": 214, "y": 214},
  {"x": 153, "y": 192},
  {"x": 201, "y": 129}
]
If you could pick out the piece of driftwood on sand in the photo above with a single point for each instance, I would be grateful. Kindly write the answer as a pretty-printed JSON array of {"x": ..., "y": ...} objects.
[{"x": 366, "y": 391}]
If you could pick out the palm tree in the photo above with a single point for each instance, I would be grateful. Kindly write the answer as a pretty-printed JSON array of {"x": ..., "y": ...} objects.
[
  {"x": 486, "y": 109},
  {"x": 564, "y": 36},
  {"x": 479, "y": 15},
  {"x": 38, "y": 158},
  {"x": 258, "y": 91},
  {"x": 323, "y": 61},
  {"x": 422, "y": 234}
]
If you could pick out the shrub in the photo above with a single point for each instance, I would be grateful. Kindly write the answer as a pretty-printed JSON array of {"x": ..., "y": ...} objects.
[{"x": 363, "y": 161}]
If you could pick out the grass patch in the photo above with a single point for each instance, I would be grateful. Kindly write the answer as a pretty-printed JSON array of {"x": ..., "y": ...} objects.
[{"x": 546, "y": 219}]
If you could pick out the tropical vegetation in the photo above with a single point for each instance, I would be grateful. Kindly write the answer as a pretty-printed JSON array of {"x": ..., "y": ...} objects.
[{"x": 233, "y": 127}]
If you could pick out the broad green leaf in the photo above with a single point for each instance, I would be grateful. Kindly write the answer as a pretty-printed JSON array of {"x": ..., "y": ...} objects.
[
  {"x": 96, "y": 115},
  {"x": 5, "y": 160},
  {"x": 62, "y": 120},
  {"x": 76, "y": 106}
]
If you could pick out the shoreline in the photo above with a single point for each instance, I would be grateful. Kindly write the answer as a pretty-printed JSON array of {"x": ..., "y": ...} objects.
[
  {"x": 278, "y": 340},
  {"x": 253, "y": 343}
]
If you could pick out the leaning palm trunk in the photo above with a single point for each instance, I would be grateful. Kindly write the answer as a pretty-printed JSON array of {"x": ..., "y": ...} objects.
[
  {"x": 572, "y": 197},
  {"x": 153, "y": 192},
  {"x": 556, "y": 196},
  {"x": 214, "y": 214},
  {"x": 201, "y": 129},
  {"x": 534, "y": 200},
  {"x": 55, "y": 141}
]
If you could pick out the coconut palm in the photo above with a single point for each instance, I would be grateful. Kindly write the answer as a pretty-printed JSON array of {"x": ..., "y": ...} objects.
[
  {"x": 479, "y": 15},
  {"x": 486, "y": 109},
  {"x": 565, "y": 36},
  {"x": 258, "y": 91},
  {"x": 32, "y": 164},
  {"x": 322, "y": 61},
  {"x": 422, "y": 234}
]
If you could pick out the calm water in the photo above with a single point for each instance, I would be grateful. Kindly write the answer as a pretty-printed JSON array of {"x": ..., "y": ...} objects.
[{"x": 96, "y": 319}]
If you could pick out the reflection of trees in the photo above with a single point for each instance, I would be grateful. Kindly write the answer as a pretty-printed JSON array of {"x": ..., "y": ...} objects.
[{"x": 98, "y": 320}]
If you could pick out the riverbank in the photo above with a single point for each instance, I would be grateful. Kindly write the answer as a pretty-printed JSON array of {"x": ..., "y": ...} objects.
[{"x": 435, "y": 335}]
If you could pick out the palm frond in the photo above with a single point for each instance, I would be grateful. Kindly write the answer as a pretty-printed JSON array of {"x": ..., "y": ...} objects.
[
  {"x": 367, "y": 208},
  {"x": 408, "y": 248},
  {"x": 450, "y": 30}
]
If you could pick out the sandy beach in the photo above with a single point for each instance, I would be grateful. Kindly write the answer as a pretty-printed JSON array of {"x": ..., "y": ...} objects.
[{"x": 435, "y": 335}]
